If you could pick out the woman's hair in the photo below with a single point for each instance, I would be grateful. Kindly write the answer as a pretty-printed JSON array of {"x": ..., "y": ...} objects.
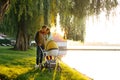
[{"x": 48, "y": 29}]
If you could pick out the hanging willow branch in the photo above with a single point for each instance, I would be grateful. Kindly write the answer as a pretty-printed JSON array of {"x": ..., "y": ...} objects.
[{"x": 72, "y": 13}]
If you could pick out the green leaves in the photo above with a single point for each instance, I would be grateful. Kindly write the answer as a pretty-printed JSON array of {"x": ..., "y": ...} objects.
[{"x": 39, "y": 12}]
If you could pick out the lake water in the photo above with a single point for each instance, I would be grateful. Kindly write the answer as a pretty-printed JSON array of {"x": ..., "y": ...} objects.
[{"x": 97, "y": 64}]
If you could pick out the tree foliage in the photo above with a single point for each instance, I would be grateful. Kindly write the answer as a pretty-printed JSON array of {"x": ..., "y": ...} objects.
[
  {"x": 73, "y": 14},
  {"x": 25, "y": 17},
  {"x": 23, "y": 20}
]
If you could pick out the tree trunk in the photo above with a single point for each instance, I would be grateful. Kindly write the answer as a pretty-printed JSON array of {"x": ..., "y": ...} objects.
[
  {"x": 21, "y": 41},
  {"x": 22, "y": 36},
  {"x": 46, "y": 12},
  {"x": 3, "y": 7}
]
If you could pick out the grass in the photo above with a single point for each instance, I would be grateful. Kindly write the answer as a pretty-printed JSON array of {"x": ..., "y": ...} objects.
[{"x": 19, "y": 65}]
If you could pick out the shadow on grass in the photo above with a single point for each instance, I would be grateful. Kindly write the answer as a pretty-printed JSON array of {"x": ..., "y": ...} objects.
[
  {"x": 3, "y": 77},
  {"x": 36, "y": 74}
]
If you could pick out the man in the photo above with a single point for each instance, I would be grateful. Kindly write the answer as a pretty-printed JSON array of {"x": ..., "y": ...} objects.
[{"x": 40, "y": 42}]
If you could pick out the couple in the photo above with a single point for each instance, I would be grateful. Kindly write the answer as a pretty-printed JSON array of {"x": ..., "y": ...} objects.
[{"x": 41, "y": 37}]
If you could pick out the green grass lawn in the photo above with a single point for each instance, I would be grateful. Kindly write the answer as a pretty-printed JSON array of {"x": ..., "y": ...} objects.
[{"x": 19, "y": 65}]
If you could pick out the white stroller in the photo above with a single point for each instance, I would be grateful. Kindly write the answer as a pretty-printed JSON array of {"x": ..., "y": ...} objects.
[{"x": 51, "y": 54}]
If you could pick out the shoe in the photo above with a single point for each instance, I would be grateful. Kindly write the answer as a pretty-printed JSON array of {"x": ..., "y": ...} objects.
[
  {"x": 36, "y": 66},
  {"x": 40, "y": 66}
]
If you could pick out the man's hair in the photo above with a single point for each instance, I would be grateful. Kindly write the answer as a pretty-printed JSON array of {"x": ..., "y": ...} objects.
[{"x": 45, "y": 26}]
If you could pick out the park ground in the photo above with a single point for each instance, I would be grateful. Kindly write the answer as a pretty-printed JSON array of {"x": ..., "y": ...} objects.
[{"x": 19, "y": 65}]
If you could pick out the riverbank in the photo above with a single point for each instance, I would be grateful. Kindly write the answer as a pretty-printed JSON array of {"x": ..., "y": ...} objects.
[{"x": 19, "y": 65}]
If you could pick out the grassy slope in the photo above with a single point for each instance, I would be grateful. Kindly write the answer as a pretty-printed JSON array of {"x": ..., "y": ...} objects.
[{"x": 19, "y": 65}]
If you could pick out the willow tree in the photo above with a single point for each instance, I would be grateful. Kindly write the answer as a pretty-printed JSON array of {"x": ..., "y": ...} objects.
[
  {"x": 25, "y": 17},
  {"x": 73, "y": 14},
  {"x": 65, "y": 16},
  {"x": 53, "y": 12},
  {"x": 3, "y": 7},
  {"x": 50, "y": 10},
  {"x": 28, "y": 13}
]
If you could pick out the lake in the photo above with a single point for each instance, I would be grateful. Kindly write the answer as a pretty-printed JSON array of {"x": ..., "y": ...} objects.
[{"x": 99, "y": 63}]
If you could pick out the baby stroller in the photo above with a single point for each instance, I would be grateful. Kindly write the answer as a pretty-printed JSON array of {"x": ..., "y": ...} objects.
[{"x": 51, "y": 56}]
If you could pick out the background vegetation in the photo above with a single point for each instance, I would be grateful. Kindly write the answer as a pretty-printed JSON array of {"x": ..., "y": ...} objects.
[{"x": 24, "y": 17}]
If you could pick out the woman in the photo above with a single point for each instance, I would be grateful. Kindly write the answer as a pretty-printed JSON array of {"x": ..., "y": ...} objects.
[
  {"x": 48, "y": 35},
  {"x": 51, "y": 45}
]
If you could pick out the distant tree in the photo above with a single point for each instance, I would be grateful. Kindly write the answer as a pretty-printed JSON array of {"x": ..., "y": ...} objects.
[
  {"x": 73, "y": 14},
  {"x": 24, "y": 17}
]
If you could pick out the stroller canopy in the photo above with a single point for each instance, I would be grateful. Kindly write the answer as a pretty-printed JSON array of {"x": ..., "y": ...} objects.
[{"x": 51, "y": 45}]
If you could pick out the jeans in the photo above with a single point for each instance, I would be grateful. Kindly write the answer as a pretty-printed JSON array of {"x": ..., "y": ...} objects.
[{"x": 39, "y": 54}]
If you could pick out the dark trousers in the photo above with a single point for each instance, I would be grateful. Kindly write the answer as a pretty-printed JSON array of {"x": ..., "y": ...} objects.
[{"x": 39, "y": 54}]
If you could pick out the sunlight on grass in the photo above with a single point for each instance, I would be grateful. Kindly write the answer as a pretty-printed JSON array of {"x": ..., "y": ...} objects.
[
  {"x": 13, "y": 72},
  {"x": 70, "y": 73},
  {"x": 14, "y": 63},
  {"x": 19, "y": 65}
]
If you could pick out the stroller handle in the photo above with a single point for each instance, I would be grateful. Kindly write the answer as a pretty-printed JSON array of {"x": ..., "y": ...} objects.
[{"x": 43, "y": 51}]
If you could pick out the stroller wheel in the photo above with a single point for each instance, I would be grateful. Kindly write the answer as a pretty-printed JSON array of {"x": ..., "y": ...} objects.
[
  {"x": 49, "y": 66},
  {"x": 45, "y": 65}
]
